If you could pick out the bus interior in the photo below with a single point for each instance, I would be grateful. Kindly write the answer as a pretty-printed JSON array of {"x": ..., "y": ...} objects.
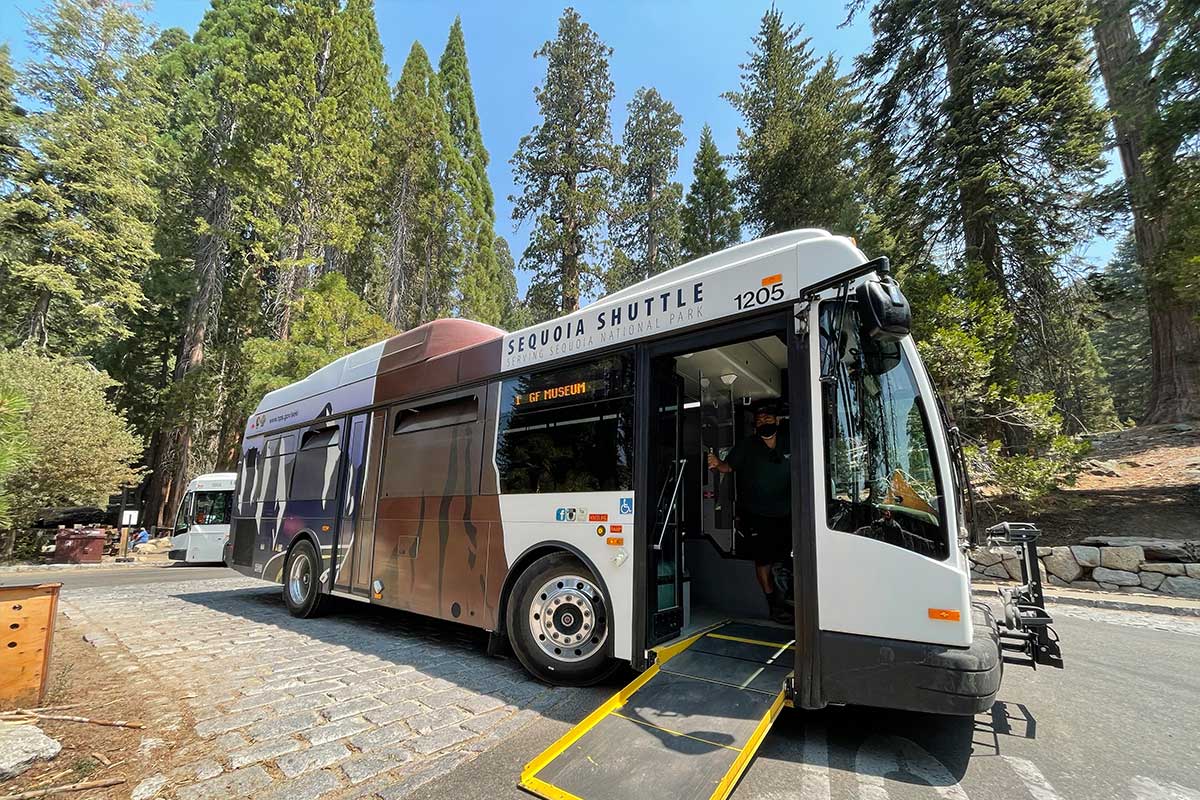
[{"x": 705, "y": 401}]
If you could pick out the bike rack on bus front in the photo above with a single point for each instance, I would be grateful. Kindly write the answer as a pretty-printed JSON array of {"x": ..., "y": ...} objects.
[{"x": 1027, "y": 623}]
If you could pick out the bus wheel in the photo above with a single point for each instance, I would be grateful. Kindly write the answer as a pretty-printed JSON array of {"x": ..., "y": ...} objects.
[
  {"x": 301, "y": 581},
  {"x": 558, "y": 622}
]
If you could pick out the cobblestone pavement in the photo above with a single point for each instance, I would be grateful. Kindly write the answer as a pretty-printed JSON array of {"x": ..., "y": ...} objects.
[{"x": 358, "y": 704}]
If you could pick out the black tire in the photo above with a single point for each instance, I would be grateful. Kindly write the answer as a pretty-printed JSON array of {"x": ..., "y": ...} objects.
[
  {"x": 580, "y": 622},
  {"x": 302, "y": 590}
]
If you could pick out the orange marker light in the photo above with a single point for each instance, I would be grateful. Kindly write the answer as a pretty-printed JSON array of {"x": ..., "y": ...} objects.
[
  {"x": 771, "y": 280},
  {"x": 945, "y": 614},
  {"x": 615, "y": 541}
]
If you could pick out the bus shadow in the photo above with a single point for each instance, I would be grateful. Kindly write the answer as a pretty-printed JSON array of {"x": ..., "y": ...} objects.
[
  {"x": 442, "y": 650},
  {"x": 869, "y": 745}
]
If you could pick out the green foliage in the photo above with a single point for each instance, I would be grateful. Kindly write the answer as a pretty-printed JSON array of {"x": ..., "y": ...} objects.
[
  {"x": 424, "y": 218},
  {"x": 709, "y": 219},
  {"x": 646, "y": 224},
  {"x": 80, "y": 448},
  {"x": 1122, "y": 337},
  {"x": 482, "y": 280},
  {"x": 564, "y": 167},
  {"x": 329, "y": 322},
  {"x": 80, "y": 207},
  {"x": 14, "y": 444},
  {"x": 797, "y": 148}
]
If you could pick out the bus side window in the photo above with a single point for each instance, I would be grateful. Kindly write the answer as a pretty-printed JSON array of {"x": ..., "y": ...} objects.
[
  {"x": 435, "y": 449},
  {"x": 314, "y": 475},
  {"x": 569, "y": 429},
  {"x": 249, "y": 473},
  {"x": 181, "y": 519}
]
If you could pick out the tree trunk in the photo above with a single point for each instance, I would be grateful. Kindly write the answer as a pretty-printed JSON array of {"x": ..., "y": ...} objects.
[
  {"x": 981, "y": 244},
  {"x": 38, "y": 331},
  {"x": 1132, "y": 97}
]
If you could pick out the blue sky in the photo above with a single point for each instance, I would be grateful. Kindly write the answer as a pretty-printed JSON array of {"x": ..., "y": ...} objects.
[{"x": 689, "y": 51}]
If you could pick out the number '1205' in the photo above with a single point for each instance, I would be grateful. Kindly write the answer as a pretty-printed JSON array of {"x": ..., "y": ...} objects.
[{"x": 764, "y": 295}]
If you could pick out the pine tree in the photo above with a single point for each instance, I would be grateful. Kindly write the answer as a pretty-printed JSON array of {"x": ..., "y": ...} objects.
[
  {"x": 646, "y": 226},
  {"x": 796, "y": 149},
  {"x": 983, "y": 116},
  {"x": 480, "y": 281},
  {"x": 506, "y": 269},
  {"x": 710, "y": 220},
  {"x": 565, "y": 167},
  {"x": 423, "y": 212},
  {"x": 1122, "y": 337},
  {"x": 1151, "y": 85},
  {"x": 81, "y": 197}
]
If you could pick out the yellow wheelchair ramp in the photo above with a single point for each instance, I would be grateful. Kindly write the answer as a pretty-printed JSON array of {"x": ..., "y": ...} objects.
[{"x": 686, "y": 728}]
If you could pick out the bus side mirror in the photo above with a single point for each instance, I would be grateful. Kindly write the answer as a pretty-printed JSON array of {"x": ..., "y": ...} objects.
[{"x": 883, "y": 311}]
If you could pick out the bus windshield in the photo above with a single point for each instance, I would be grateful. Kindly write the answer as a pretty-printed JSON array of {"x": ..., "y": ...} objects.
[{"x": 879, "y": 461}]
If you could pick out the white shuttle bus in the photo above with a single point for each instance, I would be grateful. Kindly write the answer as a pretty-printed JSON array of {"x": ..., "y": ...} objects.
[
  {"x": 202, "y": 523},
  {"x": 734, "y": 476}
]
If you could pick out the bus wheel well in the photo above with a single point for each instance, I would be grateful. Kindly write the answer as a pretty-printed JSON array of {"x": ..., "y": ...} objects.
[
  {"x": 299, "y": 537},
  {"x": 533, "y": 554}
]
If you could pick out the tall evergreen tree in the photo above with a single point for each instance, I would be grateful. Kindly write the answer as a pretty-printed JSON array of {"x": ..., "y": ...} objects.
[
  {"x": 565, "y": 166},
  {"x": 984, "y": 114},
  {"x": 1122, "y": 337},
  {"x": 81, "y": 198},
  {"x": 1151, "y": 84},
  {"x": 421, "y": 251},
  {"x": 480, "y": 280},
  {"x": 710, "y": 220},
  {"x": 799, "y": 139},
  {"x": 646, "y": 225}
]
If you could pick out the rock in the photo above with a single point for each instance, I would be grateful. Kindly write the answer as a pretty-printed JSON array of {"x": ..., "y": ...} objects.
[
  {"x": 1162, "y": 569},
  {"x": 1062, "y": 564},
  {"x": 996, "y": 571},
  {"x": 1089, "y": 585},
  {"x": 21, "y": 746},
  {"x": 985, "y": 558},
  {"x": 149, "y": 787},
  {"x": 1126, "y": 559},
  {"x": 1133, "y": 590},
  {"x": 1156, "y": 549},
  {"x": 1086, "y": 556},
  {"x": 1044, "y": 551},
  {"x": 1117, "y": 577},
  {"x": 1193, "y": 570},
  {"x": 1183, "y": 587},
  {"x": 1054, "y": 580},
  {"x": 1014, "y": 568},
  {"x": 1151, "y": 580},
  {"x": 1107, "y": 469},
  {"x": 1182, "y": 427},
  {"x": 1109, "y": 587}
]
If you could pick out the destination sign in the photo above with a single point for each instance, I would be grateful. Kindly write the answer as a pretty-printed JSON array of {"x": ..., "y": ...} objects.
[{"x": 560, "y": 392}]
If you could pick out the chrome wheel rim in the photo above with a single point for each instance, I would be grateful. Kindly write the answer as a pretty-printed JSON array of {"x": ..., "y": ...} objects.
[
  {"x": 299, "y": 578},
  {"x": 567, "y": 618}
]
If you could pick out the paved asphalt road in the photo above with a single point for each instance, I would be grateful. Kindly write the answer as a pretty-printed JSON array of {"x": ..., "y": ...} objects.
[
  {"x": 91, "y": 577},
  {"x": 1121, "y": 721}
]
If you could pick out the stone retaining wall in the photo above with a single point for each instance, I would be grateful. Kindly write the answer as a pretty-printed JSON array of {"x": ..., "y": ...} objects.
[{"x": 1148, "y": 567}]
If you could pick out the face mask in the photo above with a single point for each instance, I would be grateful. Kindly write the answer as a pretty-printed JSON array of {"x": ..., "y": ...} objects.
[{"x": 767, "y": 430}]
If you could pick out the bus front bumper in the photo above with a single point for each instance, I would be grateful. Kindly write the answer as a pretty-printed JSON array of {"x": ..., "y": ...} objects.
[{"x": 889, "y": 673}]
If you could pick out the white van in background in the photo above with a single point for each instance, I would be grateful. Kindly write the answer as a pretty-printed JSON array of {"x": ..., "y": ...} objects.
[{"x": 202, "y": 523}]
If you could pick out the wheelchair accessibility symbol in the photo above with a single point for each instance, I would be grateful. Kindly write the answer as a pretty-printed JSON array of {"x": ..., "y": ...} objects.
[{"x": 626, "y": 505}]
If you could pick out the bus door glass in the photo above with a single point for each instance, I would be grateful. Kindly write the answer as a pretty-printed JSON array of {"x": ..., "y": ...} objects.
[
  {"x": 668, "y": 465},
  {"x": 351, "y": 502}
]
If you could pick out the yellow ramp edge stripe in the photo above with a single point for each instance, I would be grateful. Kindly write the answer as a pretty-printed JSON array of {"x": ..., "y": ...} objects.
[
  {"x": 752, "y": 744},
  {"x": 788, "y": 645}
]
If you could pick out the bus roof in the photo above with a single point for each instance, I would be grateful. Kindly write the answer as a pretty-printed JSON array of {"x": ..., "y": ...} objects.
[
  {"x": 213, "y": 482},
  {"x": 450, "y": 352}
]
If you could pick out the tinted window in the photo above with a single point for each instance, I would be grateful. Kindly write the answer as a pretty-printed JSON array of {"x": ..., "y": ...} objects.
[
  {"x": 568, "y": 429},
  {"x": 212, "y": 508},
  {"x": 879, "y": 461},
  {"x": 314, "y": 475}
]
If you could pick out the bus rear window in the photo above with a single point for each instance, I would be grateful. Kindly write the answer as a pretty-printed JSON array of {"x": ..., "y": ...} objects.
[{"x": 212, "y": 508}]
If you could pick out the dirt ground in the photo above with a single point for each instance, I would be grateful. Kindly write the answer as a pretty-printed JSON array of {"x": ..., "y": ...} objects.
[
  {"x": 1140, "y": 482},
  {"x": 96, "y": 689}
]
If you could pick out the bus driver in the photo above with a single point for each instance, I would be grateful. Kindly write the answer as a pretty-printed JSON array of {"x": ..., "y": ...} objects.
[{"x": 764, "y": 500}]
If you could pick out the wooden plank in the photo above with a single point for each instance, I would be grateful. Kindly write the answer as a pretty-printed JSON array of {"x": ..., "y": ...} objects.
[{"x": 27, "y": 615}]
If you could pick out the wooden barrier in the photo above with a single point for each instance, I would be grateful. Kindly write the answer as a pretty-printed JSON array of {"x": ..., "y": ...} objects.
[{"x": 27, "y": 615}]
